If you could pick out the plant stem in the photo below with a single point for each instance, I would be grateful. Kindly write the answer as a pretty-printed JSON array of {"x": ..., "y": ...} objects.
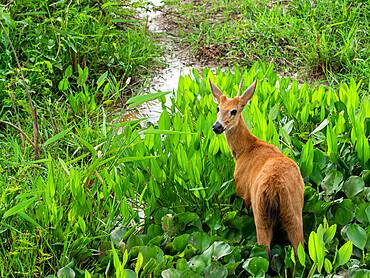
[{"x": 36, "y": 133}]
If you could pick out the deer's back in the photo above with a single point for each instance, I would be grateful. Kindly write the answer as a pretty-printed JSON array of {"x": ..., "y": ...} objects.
[{"x": 265, "y": 165}]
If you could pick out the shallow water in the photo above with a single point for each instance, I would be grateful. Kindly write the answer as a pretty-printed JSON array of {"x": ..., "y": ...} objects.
[{"x": 165, "y": 79}]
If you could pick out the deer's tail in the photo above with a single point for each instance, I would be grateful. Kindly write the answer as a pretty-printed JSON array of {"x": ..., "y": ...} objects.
[{"x": 272, "y": 206}]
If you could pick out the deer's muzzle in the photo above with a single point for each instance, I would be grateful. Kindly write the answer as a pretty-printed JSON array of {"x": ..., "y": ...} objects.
[{"x": 217, "y": 128}]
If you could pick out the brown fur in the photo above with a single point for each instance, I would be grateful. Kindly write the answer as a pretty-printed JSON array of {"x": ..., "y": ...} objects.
[{"x": 264, "y": 177}]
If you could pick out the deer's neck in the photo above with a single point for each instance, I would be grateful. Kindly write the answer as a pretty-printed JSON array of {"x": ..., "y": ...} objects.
[{"x": 240, "y": 139}]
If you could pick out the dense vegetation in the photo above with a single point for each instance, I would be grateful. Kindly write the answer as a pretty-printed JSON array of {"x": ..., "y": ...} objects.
[
  {"x": 110, "y": 199},
  {"x": 326, "y": 39}
]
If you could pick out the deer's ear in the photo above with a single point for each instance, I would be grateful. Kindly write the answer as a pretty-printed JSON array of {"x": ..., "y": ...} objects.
[
  {"x": 216, "y": 92},
  {"x": 248, "y": 93}
]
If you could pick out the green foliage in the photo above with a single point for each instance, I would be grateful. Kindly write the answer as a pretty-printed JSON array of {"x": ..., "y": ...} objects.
[
  {"x": 328, "y": 38},
  {"x": 161, "y": 200},
  {"x": 57, "y": 42}
]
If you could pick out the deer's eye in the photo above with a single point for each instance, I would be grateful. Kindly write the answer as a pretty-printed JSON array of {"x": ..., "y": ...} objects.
[
  {"x": 233, "y": 112},
  {"x": 218, "y": 109}
]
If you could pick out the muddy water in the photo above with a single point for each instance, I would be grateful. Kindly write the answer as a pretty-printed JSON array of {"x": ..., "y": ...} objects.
[{"x": 166, "y": 79}]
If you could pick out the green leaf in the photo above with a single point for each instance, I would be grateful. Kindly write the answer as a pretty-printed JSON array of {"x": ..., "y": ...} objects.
[
  {"x": 353, "y": 185},
  {"x": 321, "y": 126},
  {"x": 171, "y": 273},
  {"x": 256, "y": 265},
  {"x": 343, "y": 216},
  {"x": 137, "y": 100},
  {"x": 66, "y": 272},
  {"x": 258, "y": 251},
  {"x": 357, "y": 235},
  {"x": 231, "y": 267},
  {"x": 332, "y": 181},
  {"x": 180, "y": 242},
  {"x": 56, "y": 137},
  {"x": 221, "y": 249},
  {"x": 306, "y": 159},
  {"x": 25, "y": 216},
  {"x": 344, "y": 253},
  {"x": 63, "y": 84},
  {"x": 19, "y": 208},
  {"x": 301, "y": 255},
  {"x": 87, "y": 145},
  {"x": 133, "y": 241},
  {"x": 316, "y": 250},
  {"x": 68, "y": 72},
  {"x": 182, "y": 264},
  {"x": 148, "y": 268},
  {"x": 330, "y": 233},
  {"x": 134, "y": 158},
  {"x": 102, "y": 79},
  {"x": 139, "y": 263},
  {"x": 215, "y": 270},
  {"x": 152, "y": 252},
  {"x": 169, "y": 132},
  {"x": 199, "y": 240},
  {"x": 328, "y": 266},
  {"x": 197, "y": 263}
]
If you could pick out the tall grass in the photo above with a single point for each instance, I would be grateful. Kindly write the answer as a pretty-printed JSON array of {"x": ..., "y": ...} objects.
[
  {"x": 316, "y": 39},
  {"x": 49, "y": 36}
]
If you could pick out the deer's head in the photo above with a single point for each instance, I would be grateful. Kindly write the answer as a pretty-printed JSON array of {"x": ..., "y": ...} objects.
[{"x": 229, "y": 110}]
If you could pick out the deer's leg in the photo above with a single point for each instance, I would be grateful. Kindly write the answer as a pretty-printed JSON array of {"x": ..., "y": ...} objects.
[
  {"x": 264, "y": 231},
  {"x": 291, "y": 219}
]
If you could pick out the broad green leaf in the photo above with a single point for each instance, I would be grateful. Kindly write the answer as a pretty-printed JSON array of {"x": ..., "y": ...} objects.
[
  {"x": 180, "y": 242},
  {"x": 360, "y": 213},
  {"x": 168, "y": 132},
  {"x": 102, "y": 79},
  {"x": 258, "y": 251},
  {"x": 330, "y": 233},
  {"x": 316, "y": 250},
  {"x": 215, "y": 270},
  {"x": 328, "y": 266},
  {"x": 306, "y": 159},
  {"x": 139, "y": 263},
  {"x": 137, "y": 100},
  {"x": 321, "y": 126},
  {"x": 152, "y": 252},
  {"x": 56, "y": 137},
  {"x": 357, "y": 235},
  {"x": 63, "y": 84},
  {"x": 221, "y": 249},
  {"x": 66, "y": 272},
  {"x": 129, "y": 273},
  {"x": 148, "y": 268},
  {"x": 332, "y": 182},
  {"x": 344, "y": 253},
  {"x": 19, "y": 208},
  {"x": 117, "y": 235},
  {"x": 199, "y": 240},
  {"x": 182, "y": 264},
  {"x": 353, "y": 185},
  {"x": 134, "y": 158},
  {"x": 134, "y": 240},
  {"x": 68, "y": 72},
  {"x": 197, "y": 264},
  {"x": 87, "y": 145},
  {"x": 301, "y": 255},
  {"x": 255, "y": 265},
  {"x": 171, "y": 273},
  {"x": 231, "y": 267},
  {"x": 25, "y": 216},
  {"x": 343, "y": 216}
]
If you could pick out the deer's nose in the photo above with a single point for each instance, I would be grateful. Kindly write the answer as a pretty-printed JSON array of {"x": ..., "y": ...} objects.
[{"x": 217, "y": 128}]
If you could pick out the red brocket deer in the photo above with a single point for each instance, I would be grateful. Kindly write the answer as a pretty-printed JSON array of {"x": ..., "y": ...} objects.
[{"x": 264, "y": 177}]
